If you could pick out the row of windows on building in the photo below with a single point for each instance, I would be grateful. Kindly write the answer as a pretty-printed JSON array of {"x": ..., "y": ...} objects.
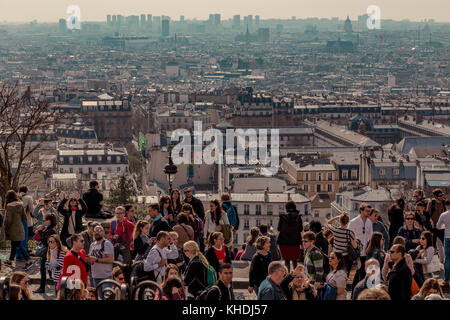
[
  {"x": 318, "y": 188},
  {"x": 90, "y": 159},
  {"x": 91, "y": 170},
  {"x": 320, "y": 176},
  {"x": 257, "y": 224}
]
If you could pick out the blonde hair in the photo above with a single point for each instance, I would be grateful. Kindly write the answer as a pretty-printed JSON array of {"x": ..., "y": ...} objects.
[
  {"x": 192, "y": 246},
  {"x": 173, "y": 234}
]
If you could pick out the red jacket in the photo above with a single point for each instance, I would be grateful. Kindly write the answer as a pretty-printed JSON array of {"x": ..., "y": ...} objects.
[
  {"x": 71, "y": 264},
  {"x": 121, "y": 231}
]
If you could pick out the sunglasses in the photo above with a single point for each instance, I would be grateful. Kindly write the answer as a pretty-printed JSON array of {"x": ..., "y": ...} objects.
[
  {"x": 306, "y": 240},
  {"x": 121, "y": 278},
  {"x": 422, "y": 238},
  {"x": 392, "y": 251},
  {"x": 332, "y": 258},
  {"x": 98, "y": 230},
  {"x": 82, "y": 241},
  {"x": 51, "y": 241},
  {"x": 409, "y": 218},
  {"x": 184, "y": 250}
]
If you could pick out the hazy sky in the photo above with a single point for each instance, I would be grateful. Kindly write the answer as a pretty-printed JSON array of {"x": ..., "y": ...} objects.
[{"x": 96, "y": 10}]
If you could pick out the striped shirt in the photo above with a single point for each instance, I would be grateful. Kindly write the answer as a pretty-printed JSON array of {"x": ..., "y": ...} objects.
[
  {"x": 341, "y": 238},
  {"x": 55, "y": 269}
]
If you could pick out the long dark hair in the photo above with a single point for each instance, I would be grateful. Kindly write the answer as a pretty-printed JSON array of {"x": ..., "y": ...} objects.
[
  {"x": 14, "y": 291},
  {"x": 374, "y": 243},
  {"x": 176, "y": 206},
  {"x": 11, "y": 196},
  {"x": 163, "y": 200},
  {"x": 217, "y": 215},
  {"x": 429, "y": 237},
  {"x": 398, "y": 204},
  {"x": 341, "y": 263}
]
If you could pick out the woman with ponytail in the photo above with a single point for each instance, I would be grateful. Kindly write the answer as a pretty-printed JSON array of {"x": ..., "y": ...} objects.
[{"x": 195, "y": 276}]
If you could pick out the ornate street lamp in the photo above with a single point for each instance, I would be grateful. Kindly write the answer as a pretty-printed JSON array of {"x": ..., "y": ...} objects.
[{"x": 170, "y": 170}]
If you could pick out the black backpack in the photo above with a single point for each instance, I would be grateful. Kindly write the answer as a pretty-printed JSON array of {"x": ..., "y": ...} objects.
[
  {"x": 205, "y": 294},
  {"x": 143, "y": 275}
]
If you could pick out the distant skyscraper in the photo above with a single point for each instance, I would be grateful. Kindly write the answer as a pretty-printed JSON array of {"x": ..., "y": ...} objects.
[
  {"x": 165, "y": 28},
  {"x": 114, "y": 20},
  {"x": 348, "y": 26},
  {"x": 211, "y": 19},
  {"x": 181, "y": 18},
  {"x": 250, "y": 22},
  {"x": 143, "y": 20},
  {"x": 108, "y": 20},
  {"x": 257, "y": 21},
  {"x": 149, "y": 20},
  {"x": 217, "y": 19},
  {"x": 120, "y": 20},
  {"x": 236, "y": 22}
]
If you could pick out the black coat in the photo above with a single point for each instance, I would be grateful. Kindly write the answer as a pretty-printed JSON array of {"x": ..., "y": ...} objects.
[
  {"x": 139, "y": 246},
  {"x": 225, "y": 293},
  {"x": 258, "y": 270},
  {"x": 396, "y": 221},
  {"x": 290, "y": 227},
  {"x": 399, "y": 282},
  {"x": 195, "y": 276},
  {"x": 212, "y": 258},
  {"x": 78, "y": 218},
  {"x": 321, "y": 243},
  {"x": 287, "y": 291},
  {"x": 93, "y": 199},
  {"x": 197, "y": 205},
  {"x": 425, "y": 223},
  {"x": 157, "y": 226}
]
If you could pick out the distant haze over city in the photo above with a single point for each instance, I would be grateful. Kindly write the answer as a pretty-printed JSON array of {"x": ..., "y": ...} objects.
[{"x": 53, "y": 10}]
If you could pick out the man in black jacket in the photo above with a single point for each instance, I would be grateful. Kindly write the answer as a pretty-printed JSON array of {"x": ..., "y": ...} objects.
[
  {"x": 94, "y": 200},
  {"x": 158, "y": 224},
  {"x": 224, "y": 289},
  {"x": 320, "y": 242},
  {"x": 399, "y": 278},
  {"x": 196, "y": 204}
]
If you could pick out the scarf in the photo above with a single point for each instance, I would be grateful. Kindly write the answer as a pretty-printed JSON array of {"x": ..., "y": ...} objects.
[
  {"x": 54, "y": 256},
  {"x": 71, "y": 227}
]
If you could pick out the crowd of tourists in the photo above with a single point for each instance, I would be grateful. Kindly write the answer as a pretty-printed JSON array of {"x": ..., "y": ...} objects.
[{"x": 188, "y": 252}]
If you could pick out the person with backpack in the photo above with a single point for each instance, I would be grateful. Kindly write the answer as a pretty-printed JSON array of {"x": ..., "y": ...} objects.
[
  {"x": 290, "y": 227},
  {"x": 197, "y": 277},
  {"x": 157, "y": 257},
  {"x": 217, "y": 253},
  {"x": 73, "y": 216},
  {"x": 260, "y": 263},
  {"x": 121, "y": 235},
  {"x": 231, "y": 210},
  {"x": 101, "y": 256},
  {"x": 223, "y": 290},
  {"x": 94, "y": 201},
  {"x": 315, "y": 260},
  {"x": 196, "y": 223},
  {"x": 395, "y": 215},
  {"x": 250, "y": 247}
]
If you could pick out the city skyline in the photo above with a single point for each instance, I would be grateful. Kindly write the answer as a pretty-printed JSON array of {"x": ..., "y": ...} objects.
[{"x": 53, "y": 10}]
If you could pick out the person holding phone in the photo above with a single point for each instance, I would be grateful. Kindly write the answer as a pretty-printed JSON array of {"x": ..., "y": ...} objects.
[{"x": 73, "y": 209}]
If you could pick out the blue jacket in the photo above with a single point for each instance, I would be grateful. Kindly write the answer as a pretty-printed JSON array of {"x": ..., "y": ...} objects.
[{"x": 269, "y": 290}]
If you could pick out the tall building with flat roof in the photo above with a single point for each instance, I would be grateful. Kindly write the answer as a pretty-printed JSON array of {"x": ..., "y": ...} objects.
[
  {"x": 143, "y": 20},
  {"x": 236, "y": 21},
  {"x": 165, "y": 28},
  {"x": 108, "y": 19}
]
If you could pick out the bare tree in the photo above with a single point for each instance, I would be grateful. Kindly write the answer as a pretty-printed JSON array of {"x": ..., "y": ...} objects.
[{"x": 25, "y": 124}]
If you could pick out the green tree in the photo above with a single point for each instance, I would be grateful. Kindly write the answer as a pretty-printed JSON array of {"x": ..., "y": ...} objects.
[{"x": 122, "y": 193}]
